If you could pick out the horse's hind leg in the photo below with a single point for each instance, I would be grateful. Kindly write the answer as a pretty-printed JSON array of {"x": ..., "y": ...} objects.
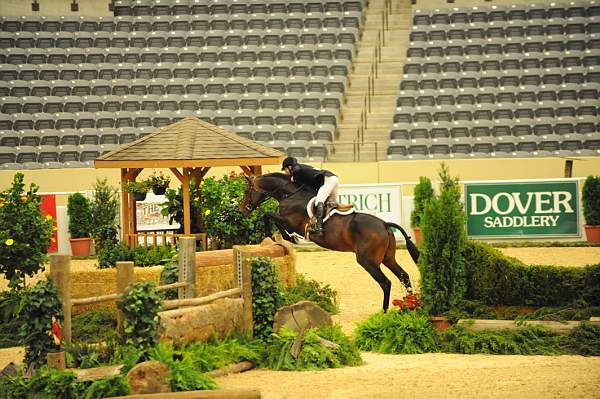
[
  {"x": 372, "y": 267},
  {"x": 389, "y": 260}
]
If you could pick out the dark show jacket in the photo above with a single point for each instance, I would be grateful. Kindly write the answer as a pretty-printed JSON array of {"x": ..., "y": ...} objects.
[{"x": 306, "y": 174}]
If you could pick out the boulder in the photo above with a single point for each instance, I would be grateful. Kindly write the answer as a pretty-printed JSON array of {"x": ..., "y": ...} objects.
[
  {"x": 149, "y": 377},
  {"x": 301, "y": 316}
]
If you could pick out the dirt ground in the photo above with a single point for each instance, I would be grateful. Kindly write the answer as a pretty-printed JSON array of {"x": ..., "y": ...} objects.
[{"x": 418, "y": 376}]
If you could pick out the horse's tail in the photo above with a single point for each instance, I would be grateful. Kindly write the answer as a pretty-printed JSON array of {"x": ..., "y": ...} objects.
[{"x": 410, "y": 246}]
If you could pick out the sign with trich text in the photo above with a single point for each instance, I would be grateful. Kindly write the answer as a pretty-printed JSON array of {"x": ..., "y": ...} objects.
[{"x": 522, "y": 209}]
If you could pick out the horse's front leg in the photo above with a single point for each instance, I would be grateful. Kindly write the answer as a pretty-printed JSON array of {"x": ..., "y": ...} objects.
[{"x": 281, "y": 225}]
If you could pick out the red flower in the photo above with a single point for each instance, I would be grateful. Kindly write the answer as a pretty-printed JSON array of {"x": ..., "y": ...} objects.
[{"x": 410, "y": 301}]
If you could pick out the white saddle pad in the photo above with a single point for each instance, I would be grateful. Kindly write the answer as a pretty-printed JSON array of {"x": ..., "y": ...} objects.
[{"x": 309, "y": 210}]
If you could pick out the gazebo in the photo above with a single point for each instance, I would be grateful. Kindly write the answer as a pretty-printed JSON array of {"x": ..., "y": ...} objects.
[{"x": 188, "y": 148}]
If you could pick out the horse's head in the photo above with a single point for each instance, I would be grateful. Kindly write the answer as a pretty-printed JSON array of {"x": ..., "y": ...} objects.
[{"x": 253, "y": 196}]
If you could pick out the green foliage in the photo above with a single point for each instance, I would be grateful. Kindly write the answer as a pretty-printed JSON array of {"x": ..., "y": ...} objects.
[
  {"x": 140, "y": 307},
  {"x": 169, "y": 275},
  {"x": 140, "y": 187},
  {"x": 185, "y": 376},
  {"x": 591, "y": 200},
  {"x": 523, "y": 341},
  {"x": 54, "y": 384},
  {"x": 105, "y": 212},
  {"x": 111, "y": 253},
  {"x": 397, "y": 332},
  {"x": 95, "y": 325},
  {"x": 79, "y": 209},
  {"x": 223, "y": 220},
  {"x": 495, "y": 279},
  {"x": 266, "y": 296},
  {"x": 422, "y": 193},
  {"x": 40, "y": 304},
  {"x": 442, "y": 264},
  {"x": 11, "y": 303},
  {"x": 583, "y": 340},
  {"x": 158, "y": 182},
  {"x": 25, "y": 233},
  {"x": 313, "y": 355},
  {"x": 311, "y": 290},
  {"x": 173, "y": 207},
  {"x": 219, "y": 353}
]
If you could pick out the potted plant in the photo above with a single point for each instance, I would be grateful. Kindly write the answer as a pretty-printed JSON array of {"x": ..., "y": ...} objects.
[
  {"x": 80, "y": 223},
  {"x": 421, "y": 195},
  {"x": 139, "y": 189},
  {"x": 159, "y": 183},
  {"x": 591, "y": 208}
]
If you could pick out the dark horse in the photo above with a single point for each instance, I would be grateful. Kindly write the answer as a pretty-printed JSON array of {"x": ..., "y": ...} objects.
[{"x": 369, "y": 237}]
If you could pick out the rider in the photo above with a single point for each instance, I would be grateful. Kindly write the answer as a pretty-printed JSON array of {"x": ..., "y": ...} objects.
[{"x": 322, "y": 181}]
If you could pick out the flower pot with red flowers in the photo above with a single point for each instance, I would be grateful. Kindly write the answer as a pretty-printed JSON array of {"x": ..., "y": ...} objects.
[
  {"x": 591, "y": 208},
  {"x": 80, "y": 224}
]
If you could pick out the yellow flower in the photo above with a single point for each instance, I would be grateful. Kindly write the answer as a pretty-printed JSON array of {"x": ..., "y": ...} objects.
[
  {"x": 1, "y": 204},
  {"x": 23, "y": 198},
  {"x": 48, "y": 217},
  {"x": 207, "y": 212},
  {"x": 9, "y": 242}
]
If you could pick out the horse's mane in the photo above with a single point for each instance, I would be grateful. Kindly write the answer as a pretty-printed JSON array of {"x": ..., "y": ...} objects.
[{"x": 285, "y": 177}]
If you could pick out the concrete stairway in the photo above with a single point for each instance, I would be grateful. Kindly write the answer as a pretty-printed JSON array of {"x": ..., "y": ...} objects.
[{"x": 386, "y": 84}]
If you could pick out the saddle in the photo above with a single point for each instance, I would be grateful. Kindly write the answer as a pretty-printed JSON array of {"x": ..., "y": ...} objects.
[{"x": 331, "y": 207}]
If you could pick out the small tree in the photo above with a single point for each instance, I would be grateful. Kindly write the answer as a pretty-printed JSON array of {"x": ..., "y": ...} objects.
[
  {"x": 591, "y": 200},
  {"x": 442, "y": 263},
  {"x": 422, "y": 194},
  {"x": 80, "y": 216},
  {"x": 25, "y": 232},
  {"x": 104, "y": 212},
  {"x": 140, "y": 306}
]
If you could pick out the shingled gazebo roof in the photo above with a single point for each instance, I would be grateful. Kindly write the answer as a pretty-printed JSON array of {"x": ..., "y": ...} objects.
[{"x": 190, "y": 143}]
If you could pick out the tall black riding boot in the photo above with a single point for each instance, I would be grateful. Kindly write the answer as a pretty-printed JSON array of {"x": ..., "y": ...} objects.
[{"x": 318, "y": 229}]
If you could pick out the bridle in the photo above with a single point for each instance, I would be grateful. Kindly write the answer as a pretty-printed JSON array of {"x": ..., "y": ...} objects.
[{"x": 273, "y": 192}]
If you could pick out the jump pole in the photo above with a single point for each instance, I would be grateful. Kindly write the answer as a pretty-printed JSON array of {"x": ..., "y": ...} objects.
[
  {"x": 187, "y": 267},
  {"x": 60, "y": 274},
  {"x": 124, "y": 278}
]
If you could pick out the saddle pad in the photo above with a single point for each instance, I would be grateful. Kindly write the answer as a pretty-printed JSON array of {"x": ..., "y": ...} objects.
[{"x": 309, "y": 210}]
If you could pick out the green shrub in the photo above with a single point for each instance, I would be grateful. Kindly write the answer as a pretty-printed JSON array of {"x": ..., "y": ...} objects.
[
  {"x": 208, "y": 356},
  {"x": 169, "y": 275},
  {"x": 185, "y": 376},
  {"x": 95, "y": 325},
  {"x": 111, "y": 253},
  {"x": 105, "y": 213},
  {"x": 107, "y": 388},
  {"x": 495, "y": 279},
  {"x": 423, "y": 192},
  {"x": 151, "y": 255},
  {"x": 397, "y": 332},
  {"x": 173, "y": 207},
  {"x": 25, "y": 233},
  {"x": 591, "y": 200},
  {"x": 310, "y": 290},
  {"x": 442, "y": 263},
  {"x": 79, "y": 209},
  {"x": 313, "y": 355},
  {"x": 583, "y": 340},
  {"x": 11, "y": 303},
  {"x": 266, "y": 296},
  {"x": 140, "y": 307},
  {"x": 141, "y": 256},
  {"x": 523, "y": 341},
  {"x": 40, "y": 305}
]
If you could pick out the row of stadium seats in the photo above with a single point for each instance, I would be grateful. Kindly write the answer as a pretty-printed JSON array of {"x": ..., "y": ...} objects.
[
  {"x": 484, "y": 32},
  {"x": 176, "y": 39},
  {"x": 180, "y": 23},
  {"x": 499, "y": 13},
  {"x": 466, "y": 113}
]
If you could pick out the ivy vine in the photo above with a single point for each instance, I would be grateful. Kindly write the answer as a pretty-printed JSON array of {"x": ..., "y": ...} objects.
[
  {"x": 140, "y": 307},
  {"x": 266, "y": 296}
]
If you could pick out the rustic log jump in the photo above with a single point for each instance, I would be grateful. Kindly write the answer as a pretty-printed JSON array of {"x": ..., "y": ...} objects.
[{"x": 215, "y": 394}]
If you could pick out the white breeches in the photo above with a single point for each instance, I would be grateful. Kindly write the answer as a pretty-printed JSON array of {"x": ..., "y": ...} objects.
[{"x": 328, "y": 188}]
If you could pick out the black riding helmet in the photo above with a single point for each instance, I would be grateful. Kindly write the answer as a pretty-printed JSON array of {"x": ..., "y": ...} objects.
[{"x": 289, "y": 161}]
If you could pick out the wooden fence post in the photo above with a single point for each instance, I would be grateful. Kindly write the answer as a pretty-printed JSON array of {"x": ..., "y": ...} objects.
[
  {"x": 60, "y": 274},
  {"x": 187, "y": 267},
  {"x": 243, "y": 277},
  {"x": 124, "y": 278}
]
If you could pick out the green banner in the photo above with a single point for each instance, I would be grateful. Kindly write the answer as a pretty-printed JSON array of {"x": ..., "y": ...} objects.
[{"x": 522, "y": 209}]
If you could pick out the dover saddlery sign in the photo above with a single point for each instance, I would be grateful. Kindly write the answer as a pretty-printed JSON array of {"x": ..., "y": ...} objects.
[
  {"x": 537, "y": 209},
  {"x": 381, "y": 200}
]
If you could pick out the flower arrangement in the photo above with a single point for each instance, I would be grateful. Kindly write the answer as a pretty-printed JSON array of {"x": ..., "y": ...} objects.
[
  {"x": 159, "y": 183},
  {"x": 409, "y": 302}
]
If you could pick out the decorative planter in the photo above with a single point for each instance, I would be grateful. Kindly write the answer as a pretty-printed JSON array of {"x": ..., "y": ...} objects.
[
  {"x": 57, "y": 360},
  {"x": 81, "y": 246},
  {"x": 439, "y": 322},
  {"x": 159, "y": 190},
  {"x": 417, "y": 231},
  {"x": 592, "y": 233},
  {"x": 139, "y": 196}
]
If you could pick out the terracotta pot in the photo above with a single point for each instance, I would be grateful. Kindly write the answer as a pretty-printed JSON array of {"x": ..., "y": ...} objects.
[
  {"x": 139, "y": 196},
  {"x": 417, "y": 231},
  {"x": 592, "y": 233},
  {"x": 439, "y": 322},
  {"x": 81, "y": 246}
]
